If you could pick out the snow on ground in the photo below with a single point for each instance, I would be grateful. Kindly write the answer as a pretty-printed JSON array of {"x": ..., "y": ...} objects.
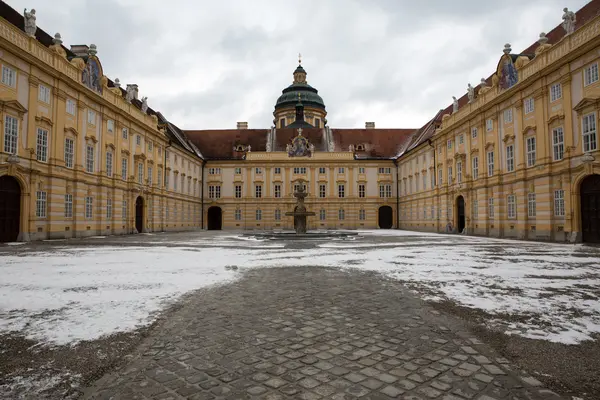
[{"x": 69, "y": 294}]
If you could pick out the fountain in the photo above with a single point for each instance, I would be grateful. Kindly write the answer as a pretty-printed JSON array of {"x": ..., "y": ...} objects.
[{"x": 300, "y": 212}]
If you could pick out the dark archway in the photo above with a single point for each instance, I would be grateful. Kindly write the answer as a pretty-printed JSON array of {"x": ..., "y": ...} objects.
[
  {"x": 215, "y": 220},
  {"x": 385, "y": 218},
  {"x": 590, "y": 209},
  {"x": 10, "y": 208},
  {"x": 460, "y": 213},
  {"x": 139, "y": 214}
]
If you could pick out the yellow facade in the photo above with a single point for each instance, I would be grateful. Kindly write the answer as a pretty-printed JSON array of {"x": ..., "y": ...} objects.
[{"x": 541, "y": 146}]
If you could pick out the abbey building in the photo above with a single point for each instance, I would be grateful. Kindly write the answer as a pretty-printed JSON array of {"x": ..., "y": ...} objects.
[{"x": 515, "y": 156}]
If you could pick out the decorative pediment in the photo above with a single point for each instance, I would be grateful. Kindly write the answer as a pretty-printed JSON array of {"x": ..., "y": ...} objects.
[
  {"x": 110, "y": 146},
  {"x": 72, "y": 131},
  {"x": 489, "y": 145},
  {"x": 529, "y": 128},
  {"x": 125, "y": 151},
  {"x": 508, "y": 137},
  {"x": 13, "y": 105},
  {"x": 43, "y": 120},
  {"x": 556, "y": 117},
  {"x": 91, "y": 138},
  {"x": 475, "y": 151},
  {"x": 140, "y": 156},
  {"x": 151, "y": 162},
  {"x": 587, "y": 102},
  {"x": 460, "y": 156}
]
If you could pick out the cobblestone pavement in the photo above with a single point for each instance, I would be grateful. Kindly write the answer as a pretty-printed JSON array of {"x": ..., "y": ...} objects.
[{"x": 312, "y": 333}]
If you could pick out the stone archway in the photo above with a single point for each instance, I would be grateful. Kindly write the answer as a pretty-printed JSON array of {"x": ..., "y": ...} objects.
[
  {"x": 215, "y": 218},
  {"x": 460, "y": 214},
  {"x": 10, "y": 208},
  {"x": 139, "y": 214},
  {"x": 385, "y": 217},
  {"x": 590, "y": 208}
]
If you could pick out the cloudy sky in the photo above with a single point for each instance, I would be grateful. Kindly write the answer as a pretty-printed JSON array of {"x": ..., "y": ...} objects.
[{"x": 208, "y": 64}]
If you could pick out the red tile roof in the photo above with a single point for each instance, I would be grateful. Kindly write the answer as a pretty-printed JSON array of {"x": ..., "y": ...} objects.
[
  {"x": 384, "y": 143},
  {"x": 315, "y": 136},
  {"x": 219, "y": 144}
]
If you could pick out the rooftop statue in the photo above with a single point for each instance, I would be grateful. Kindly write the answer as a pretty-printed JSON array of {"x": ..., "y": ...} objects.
[{"x": 30, "y": 26}]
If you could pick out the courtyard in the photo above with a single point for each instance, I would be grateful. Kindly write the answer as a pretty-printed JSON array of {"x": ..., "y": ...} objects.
[{"x": 385, "y": 314}]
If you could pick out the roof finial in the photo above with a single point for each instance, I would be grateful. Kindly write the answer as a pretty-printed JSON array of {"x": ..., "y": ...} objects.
[{"x": 300, "y": 58}]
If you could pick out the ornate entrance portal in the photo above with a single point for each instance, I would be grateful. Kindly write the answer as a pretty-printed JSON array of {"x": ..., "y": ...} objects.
[{"x": 10, "y": 208}]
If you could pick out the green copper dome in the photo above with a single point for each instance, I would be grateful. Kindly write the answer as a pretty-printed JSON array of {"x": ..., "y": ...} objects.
[{"x": 308, "y": 94}]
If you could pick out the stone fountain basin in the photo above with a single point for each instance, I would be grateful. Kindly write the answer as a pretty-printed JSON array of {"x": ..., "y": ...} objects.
[{"x": 302, "y": 236}]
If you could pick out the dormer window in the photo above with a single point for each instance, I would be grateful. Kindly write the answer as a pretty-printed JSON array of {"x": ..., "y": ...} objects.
[
  {"x": 360, "y": 147},
  {"x": 239, "y": 148}
]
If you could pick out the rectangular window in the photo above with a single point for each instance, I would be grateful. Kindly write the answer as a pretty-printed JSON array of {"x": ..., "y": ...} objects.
[
  {"x": 559, "y": 203},
  {"x": 110, "y": 125},
  {"x": 510, "y": 158},
  {"x": 491, "y": 208},
  {"x": 558, "y": 143},
  {"x": 277, "y": 191},
  {"x": 475, "y": 166},
  {"x": 238, "y": 191},
  {"x": 508, "y": 116},
  {"x": 167, "y": 180},
  {"x": 322, "y": 190},
  {"x": 511, "y": 206},
  {"x": 238, "y": 215},
  {"x": 432, "y": 180},
  {"x": 125, "y": 134},
  {"x": 440, "y": 150},
  {"x": 109, "y": 163},
  {"x": 282, "y": 123},
  {"x": 529, "y": 105},
  {"x": 449, "y": 144},
  {"x": 140, "y": 173},
  {"x": 590, "y": 74},
  {"x": 9, "y": 76},
  {"x": 317, "y": 123},
  {"x": 258, "y": 171},
  {"x": 425, "y": 180},
  {"x": 475, "y": 209},
  {"x": 341, "y": 190},
  {"x": 432, "y": 212},
  {"x": 459, "y": 171},
  {"x": 299, "y": 170},
  {"x": 88, "y": 207},
  {"x": 89, "y": 158},
  {"x": 531, "y": 205},
  {"x": 258, "y": 191},
  {"x": 150, "y": 178},
  {"x": 555, "y": 92},
  {"x": 449, "y": 174},
  {"x": 68, "y": 206},
  {"x": 361, "y": 170},
  {"x": 124, "y": 210},
  {"x": 214, "y": 191},
  {"x": 489, "y": 125},
  {"x": 71, "y": 107},
  {"x": 361, "y": 190},
  {"x": 44, "y": 94},
  {"x": 386, "y": 170},
  {"x": 531, "y": 151},
  {"x": 175, "y": 182},
  {"x": 589, "y": 132},
  {"x": 341, "y": 170},
  {"x": 278, "y": 215},
  {"x": 321, "y": 170},
  {"x": 461, "y": 139},
  {"x": 277, "y": 171},
  {"x": 382, "y": 191},
  {"x": 322, "y": 215},
  {"x": 40, "y": 204},
  {"x": 440, "y": 176},
  {"x": 151, "y": 146},
  {"x": 238, "y": 171},
  {"x": 109, "y": 209},
  {"x": 10, "y": 134},
  {"x": 159, "y": 179},
  {"x": 341, "y": 214},
  {"x": 42, "y": 145},
  {"x": 138, "y": 140},
  {"x": 213, "y": 171},
  {"x": 474, "y": 133},
  {"x": 490, "y": 163},
  {"x": 91, "y": 117},
  {"x": 258, "y": 215},
  {"x": 362, "y": 215},
  {"x": 124, "y": 169},
  {"x": 388, "y": 190}
]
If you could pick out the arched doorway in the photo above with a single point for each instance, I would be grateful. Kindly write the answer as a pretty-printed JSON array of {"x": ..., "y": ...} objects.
[
  {"x": 385, "y": 218},
  {"x": 215, "y": 219},
  {"x": 139, "y": 214},
  {"x": 590, "y": 209},
  {"x": 10, "y": 208},
  {"x": 460, "y": 213}
]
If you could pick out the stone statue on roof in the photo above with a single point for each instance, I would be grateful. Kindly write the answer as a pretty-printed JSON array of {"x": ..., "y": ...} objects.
[
  {"x": 144, "y": 104},
  {"x": 30, "y": 26},
  {"x": 454, "y": 105},
  {"x": 569, "y": 20},
  {"x": 470, "y": 93}
]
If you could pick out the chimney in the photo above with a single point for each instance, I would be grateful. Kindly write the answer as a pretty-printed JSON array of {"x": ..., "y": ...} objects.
[
  {"x": 80, "y": 50},
  {"x": 242, "y": 125},
  {"x": 369, "y": 125}
]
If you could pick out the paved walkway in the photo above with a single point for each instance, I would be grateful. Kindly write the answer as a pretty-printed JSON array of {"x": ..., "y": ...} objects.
[{"x": 311, "y": 333}]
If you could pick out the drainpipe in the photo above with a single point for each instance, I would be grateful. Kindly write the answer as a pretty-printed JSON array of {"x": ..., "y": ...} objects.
[
  {"x": 202, "y": 196},
  {"x": 165, "y": 177},
  {"x": 397, "y": 196},
  {"x": 434, "y": 176}
]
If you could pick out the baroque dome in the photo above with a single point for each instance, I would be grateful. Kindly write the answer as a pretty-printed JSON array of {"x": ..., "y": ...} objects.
[{"x": 299, "y": 89}]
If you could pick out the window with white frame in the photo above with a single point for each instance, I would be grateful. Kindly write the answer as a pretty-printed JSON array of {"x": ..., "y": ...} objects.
[
  {"x": 91, "y": 117},
  {"x": 167, "y": 173},
  {"x": 138, "y": 140},
  {"x": 322, "y": 190},
  {"x": 214, "y": 171},
  {"x": 558, "y": 143},
  {"x": 124, "y": 210},
  {"x": 385, "y": 170},
  {"x": 459, "y": 171},
  {"x": 449, "y": 144},
  {"x": 89, "y": 158},
  {"x": 508, "y": 116},
  {"x": 416, "y": 182},
  {"x": 238, "y": 171},
  {"x": 182, "y": 183},
  {"x": 589, "y": 132},
  {"x": 125, "y": 134},
  {"x": 258, "y": 170},
  {"x": 109, "y": 163},
  {"x": 531, "y": 205},
  {"x": 277, "y": 190},
  {"x": 175, "y": 182},
  {"x": 361, "y": 170},
  {"x": 321, "y": 170},
  {"x": 258, "y": 214},
  {"x": 159, "y": 179},
  {"x": 214, "y": 191},
  {"x": 361, "y": 190},
  {"x": 590, "y": 74},
  {"x": 425, "y": 180},
  {"x": 299, "y": 170},
  {"x": 9, "y": 76},
  {"x": 341, "y": 190},
  {"x": 258, "y": 191},
  {"x": 440, "y": 176},
  {"x": 440, "y": 149},
  {"x": 277, "y": 171},
  {"x": 341, "y": 214},
  {"x": 510, "y": 158},
  {"x": 11, "y": 134},
  {"x": 322, "y": 215},
  {"x": 238, "y": 214},
  {"x": 44, "y": 94},
  {"x": 475, "y": 167},
  {"x": 40, "y": 204},
  {"x": 490, "y": 163},
  {"x": 559, "y": 203},
  {"x": 150, "y": 146},
  {"x": 71, "y": 107},
  {"x": 277, "y": 214},
  {"x": 124, "y": 169},
  {"x": 449, "y": 174},
  {"x": 341, "y": 170},
  {"x": 140, "y": 173},
  {"x": 491, "y": 208},
  {"x": 461, "y": 139},
  {"x": 388, "y": 190},
  {"x": 555, "y": 92},
  {"x": 238, "y": 191},
  {"x": 109, "y": 208},
  {"x": 432, "y": 180},
  {"x": 150, "y": 178},
  {"x": 42, "y": 145},
  {"x": 474, "y": 133},
  {"x": 110, "y": 125},
  {"x": 362, "y": 215},
  {"x": 432, "y": 212},
  {"x": 475, "y": 209},
  {"x": 511, "y": 202},
  {"x": 68, "y": 205},
  {"x": 296, "y": 187},
  {"x": 89, "y": 207},
  {"x": 489, "y": 124},
  {"x": 382, "y": 191},
  {"x": 531, "y": 146},
  {"x": 529, "y": 105}
]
